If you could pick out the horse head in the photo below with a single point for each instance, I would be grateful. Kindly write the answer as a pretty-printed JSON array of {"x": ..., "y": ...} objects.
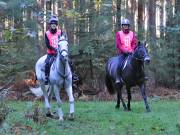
[
  {"x": 141, "y": 53},
  {"x": 63, "y": 48}
]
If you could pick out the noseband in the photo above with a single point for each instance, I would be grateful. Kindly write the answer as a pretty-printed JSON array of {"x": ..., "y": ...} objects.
[{"x": 63, "y": 50}]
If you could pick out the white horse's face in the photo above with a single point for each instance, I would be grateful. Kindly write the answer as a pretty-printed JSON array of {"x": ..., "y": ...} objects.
[{"x": 63, "y": 49}]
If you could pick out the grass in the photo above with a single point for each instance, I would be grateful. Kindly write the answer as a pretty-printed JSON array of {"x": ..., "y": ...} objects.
[{"x": 99, "y": 118}]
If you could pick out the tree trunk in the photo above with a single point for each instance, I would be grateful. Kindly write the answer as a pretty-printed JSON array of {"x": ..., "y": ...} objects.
[
  {"x": 40, "y": 45},
  {"x": 69, "y": 23},
  {"x": 2, "y": 24},
  {"x": 132, "y": 15},
  {"x": 177, "y": 15},
  {"x": 141, "y": 31},
  {"x": 118, "y": 15},
  {"x": 170, "y": 45},
  {"x": 162, "y": 19},
  {"x": 152, "y": 33}
]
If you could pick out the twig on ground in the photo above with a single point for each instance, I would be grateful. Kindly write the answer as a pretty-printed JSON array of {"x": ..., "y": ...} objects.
[{"x": 7, "y": 84}]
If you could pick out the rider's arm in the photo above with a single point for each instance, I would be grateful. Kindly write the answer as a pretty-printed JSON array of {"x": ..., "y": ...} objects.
[
  {"x": 134, "y": 41},
  {"x": 48, "y": 44},
  {"x": 118, "y": 43}
]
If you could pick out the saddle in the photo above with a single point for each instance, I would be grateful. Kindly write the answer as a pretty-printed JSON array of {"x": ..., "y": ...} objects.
[{"x": 50, "y": 63}]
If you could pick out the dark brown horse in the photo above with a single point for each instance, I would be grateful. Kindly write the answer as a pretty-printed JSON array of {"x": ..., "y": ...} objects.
[{"x": 132, "y": 74}]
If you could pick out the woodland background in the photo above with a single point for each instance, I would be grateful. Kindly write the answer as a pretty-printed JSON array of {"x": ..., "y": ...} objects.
[{"x": 91, "y": 26}]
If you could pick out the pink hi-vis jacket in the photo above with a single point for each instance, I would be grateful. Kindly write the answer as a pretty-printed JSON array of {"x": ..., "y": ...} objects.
[
  {"x": 53, "y": 40},
  {"x": 126, "y": 42}
]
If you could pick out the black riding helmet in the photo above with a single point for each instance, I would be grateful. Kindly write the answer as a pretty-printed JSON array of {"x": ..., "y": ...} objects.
[{"x": 53, "y": 20}]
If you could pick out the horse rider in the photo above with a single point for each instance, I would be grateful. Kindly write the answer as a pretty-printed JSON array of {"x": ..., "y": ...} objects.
[
  {"x": 51, "y": 40},
  {"x": 126, "y": 42}
]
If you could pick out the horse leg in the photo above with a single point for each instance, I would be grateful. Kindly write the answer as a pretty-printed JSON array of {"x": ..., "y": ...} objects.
[
  {"x": 129, "y": 98},
  {"x": 71, "y": 102},
  {"x": 50, "y": 93},
  {"x": 118, "y": 100},
  {"x": 119, "y": 97},
  {"x": 143, "y": 92},
  {"x": 45, "y": 94},
  {"x": 59, "y": 102}
]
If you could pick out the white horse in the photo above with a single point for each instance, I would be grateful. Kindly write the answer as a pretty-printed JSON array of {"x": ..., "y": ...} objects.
[{"x": 60, "y": 77}]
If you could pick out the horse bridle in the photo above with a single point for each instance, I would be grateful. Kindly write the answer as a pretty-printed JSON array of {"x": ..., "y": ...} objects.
[
  {"x": 142, "y": 59},
  {"x": 63, "y": 50},
  {"x": 139, "y": 59},
  {"x": 60, "y": 53}
]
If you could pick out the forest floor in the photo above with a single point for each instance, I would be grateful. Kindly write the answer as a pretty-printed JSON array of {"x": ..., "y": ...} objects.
[
  {"x": 20, "y": 91},
  {"x": 91, "y": 114},
  {"x": 93, "y": 118}
]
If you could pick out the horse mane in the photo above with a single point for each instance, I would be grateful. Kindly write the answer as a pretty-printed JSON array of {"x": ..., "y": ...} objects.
[{"x": 63, "y": 36}]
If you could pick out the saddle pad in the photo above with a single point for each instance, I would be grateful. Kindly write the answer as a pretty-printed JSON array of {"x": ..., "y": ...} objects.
[{"x": 125, "y": 63}]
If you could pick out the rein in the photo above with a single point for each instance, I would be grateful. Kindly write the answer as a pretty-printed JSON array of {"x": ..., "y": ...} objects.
[
  {"x": 137, "y": 58},
  {"x": 63, "y": 75},
  {"x": 63, "y": 50}
]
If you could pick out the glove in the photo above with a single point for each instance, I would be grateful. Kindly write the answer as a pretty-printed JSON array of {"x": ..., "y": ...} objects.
[{"x": 55, "y": 50}]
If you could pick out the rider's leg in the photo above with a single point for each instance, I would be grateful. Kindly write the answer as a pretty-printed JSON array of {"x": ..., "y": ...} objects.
[
  {"x": 119, "y": 77},
  {"x": 47, "y": 68}
]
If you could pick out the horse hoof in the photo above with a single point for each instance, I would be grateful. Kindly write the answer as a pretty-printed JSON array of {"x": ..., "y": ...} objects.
[
  {"x": 61, "y": 119},
  {"x": 50, "y": 115},
  {"x": 117, "y": 106},
  {"x": 71, "y": 117},
  {"x": 125, "y": 109},
  {"x": 148, "y": 110},
  {"x": 129, "y": 109}
]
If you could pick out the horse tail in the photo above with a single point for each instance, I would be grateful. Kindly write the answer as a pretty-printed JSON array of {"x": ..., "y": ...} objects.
[
  {"x": 109, "y": 85},
  {"x": 35, "y": 79}
]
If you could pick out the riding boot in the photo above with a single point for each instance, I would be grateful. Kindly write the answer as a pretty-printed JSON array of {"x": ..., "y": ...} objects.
[
  {"x": 46, "y": 73},
  {"x": 119, "y": 79}
]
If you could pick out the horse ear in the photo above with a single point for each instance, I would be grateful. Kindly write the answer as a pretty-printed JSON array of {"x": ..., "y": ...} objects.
[
  {"x": 145, "y": 43},
  {"x": 60, "y": 36},
  {"x": 65, "y": 35}
]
